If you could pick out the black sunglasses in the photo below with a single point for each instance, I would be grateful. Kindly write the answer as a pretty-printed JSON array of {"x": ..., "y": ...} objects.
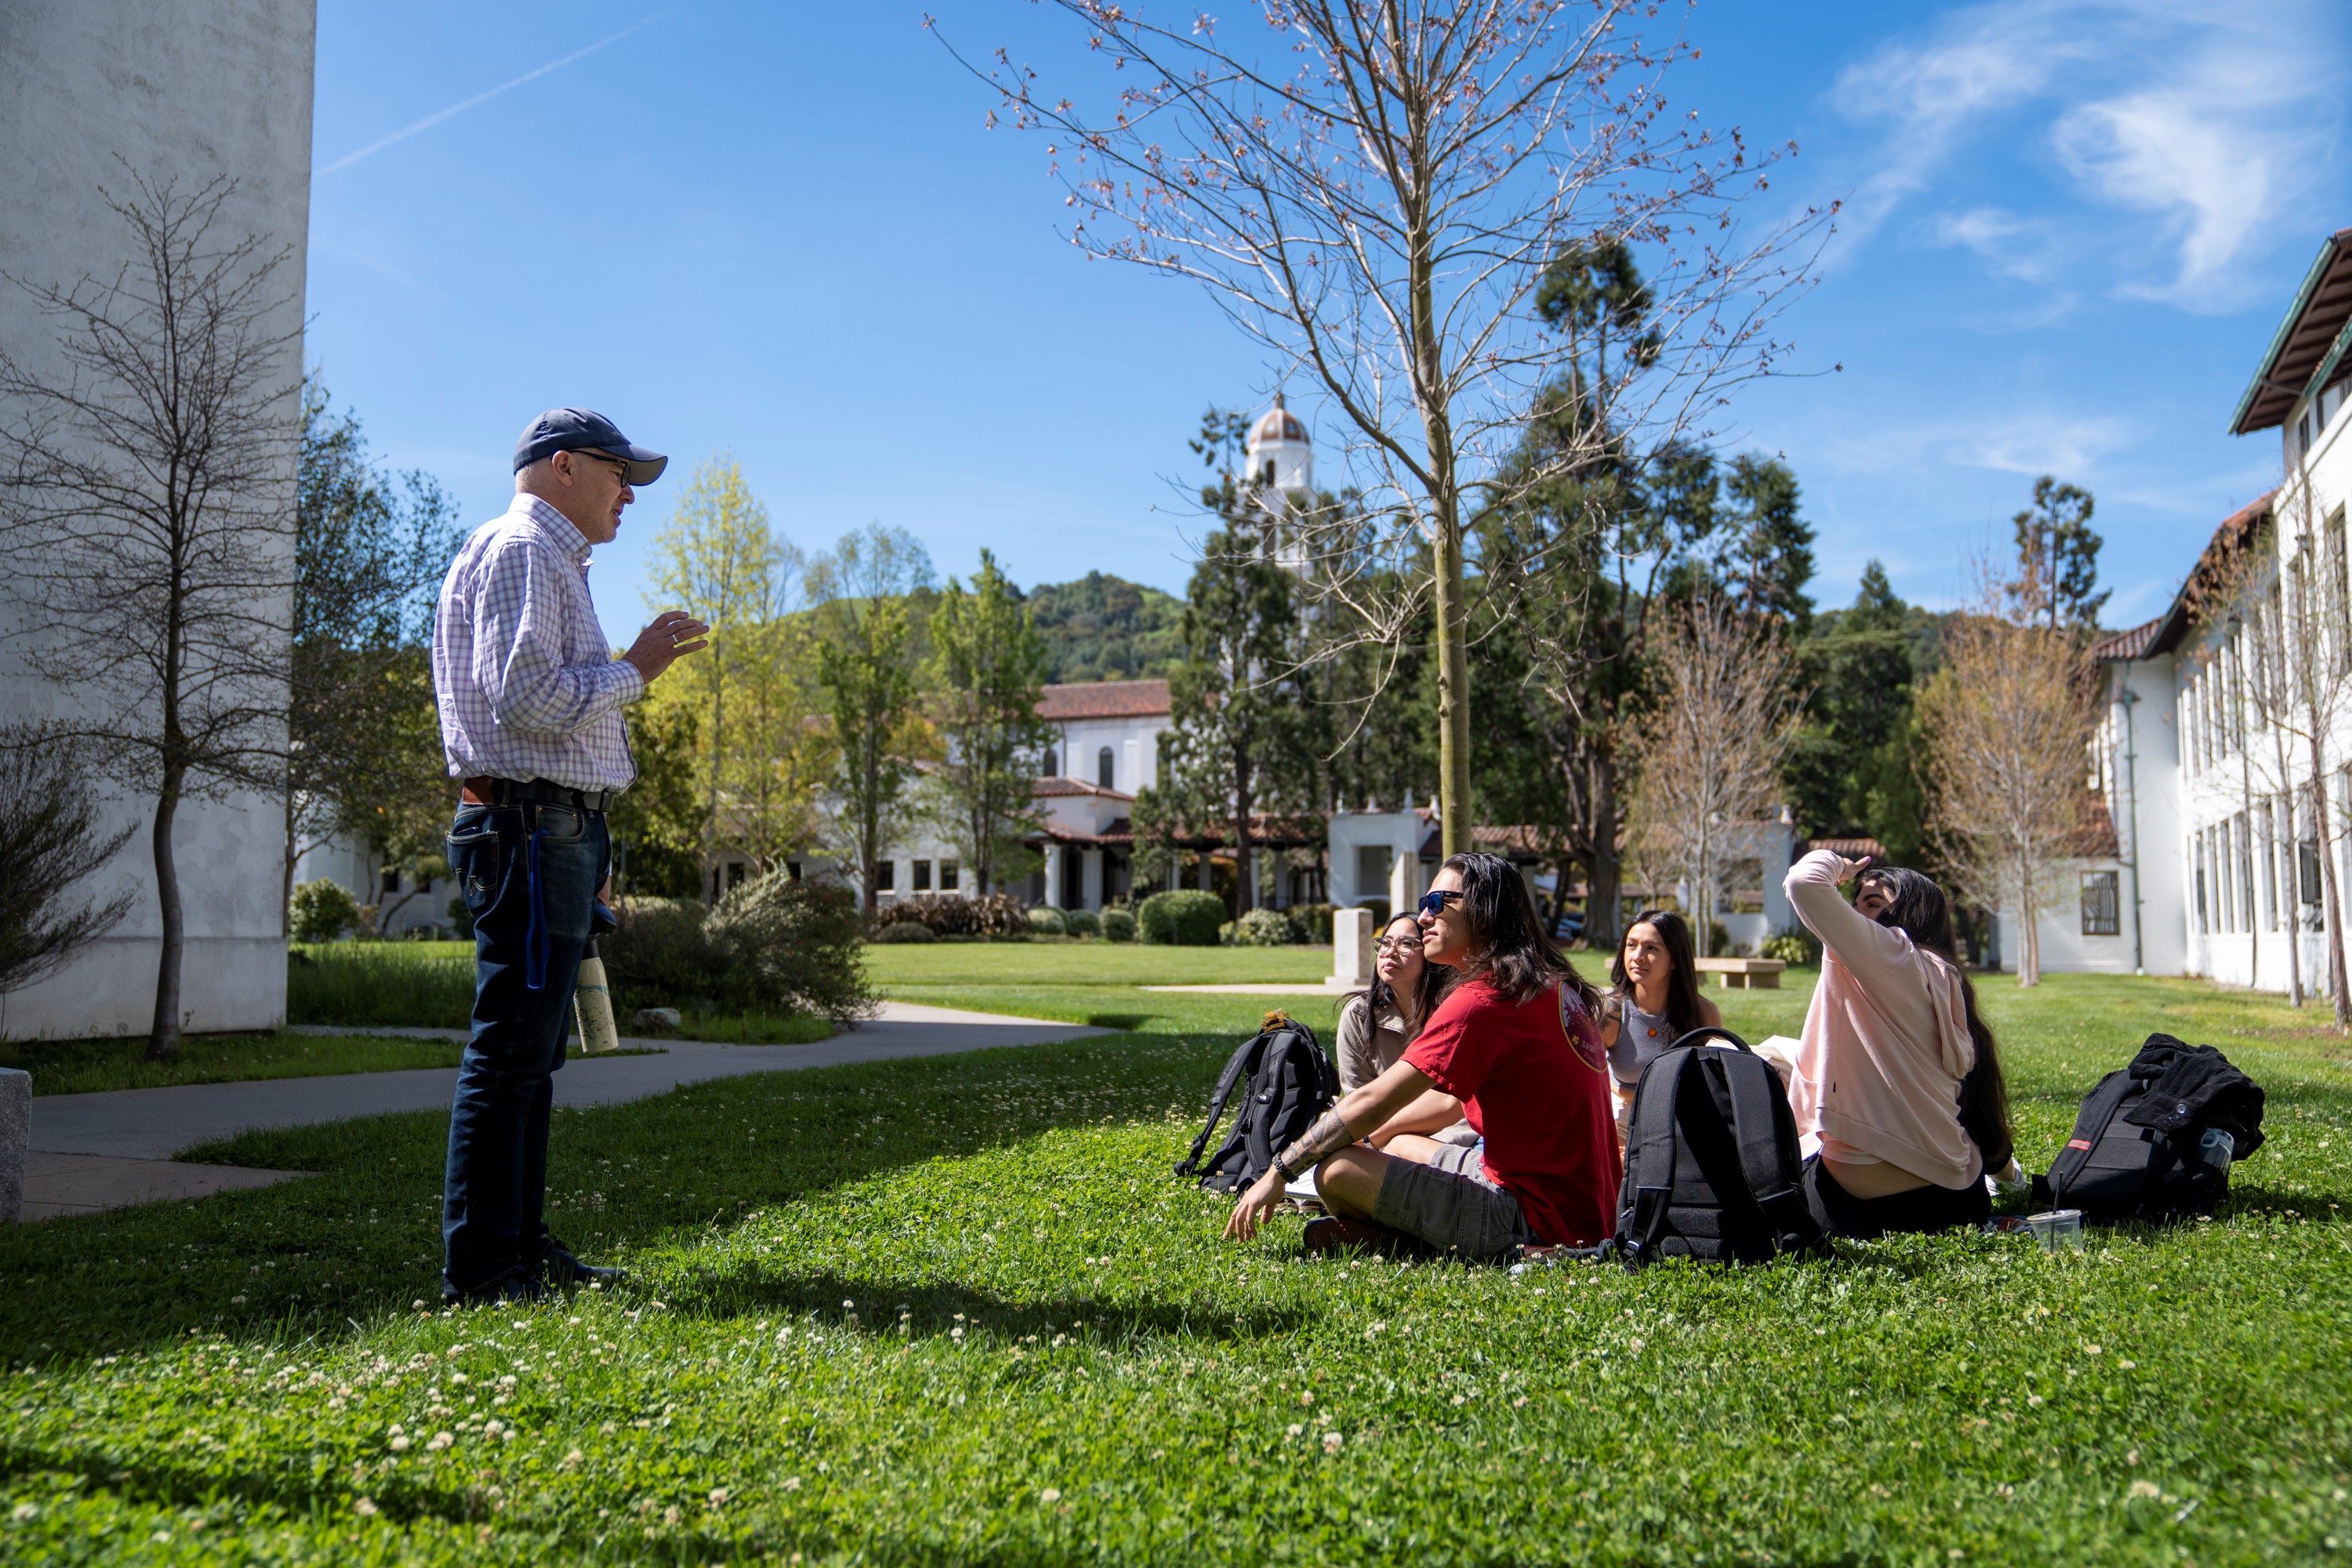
[{"x": 1434, "y": 903}]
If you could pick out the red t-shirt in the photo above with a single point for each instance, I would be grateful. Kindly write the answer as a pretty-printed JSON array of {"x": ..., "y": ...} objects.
[{"x": 1540, "y": 1098}]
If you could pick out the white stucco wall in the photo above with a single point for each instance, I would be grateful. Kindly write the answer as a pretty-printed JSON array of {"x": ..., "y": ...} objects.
[{"x": 197, "y": 89}]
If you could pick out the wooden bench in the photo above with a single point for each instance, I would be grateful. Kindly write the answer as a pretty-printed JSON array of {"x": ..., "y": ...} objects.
[{"x": 1743, "y": 973}]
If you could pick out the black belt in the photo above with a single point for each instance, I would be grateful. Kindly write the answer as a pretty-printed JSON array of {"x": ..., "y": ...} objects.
[{"x": 485, "y": 790}]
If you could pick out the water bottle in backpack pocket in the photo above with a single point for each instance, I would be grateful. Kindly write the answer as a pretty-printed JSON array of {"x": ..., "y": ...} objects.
[{"x": 2154, "y": 1140}]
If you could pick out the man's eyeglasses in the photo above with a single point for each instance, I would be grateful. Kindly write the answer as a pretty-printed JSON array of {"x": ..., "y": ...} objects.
[
  {"x": 1399, "y": 944},
  {"x": 1434, "y": 903},
  {"x": 617, "y": 465}
]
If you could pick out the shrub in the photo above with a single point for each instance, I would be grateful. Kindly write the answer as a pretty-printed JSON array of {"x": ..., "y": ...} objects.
[
  {"x": 1718, "y": 940},
  {"x": 905, "y": 931},
  {"x": 796, "y": 943},
  {"x": 1794, "y": 945},
  {"x": 664, "y": 954},
  {"x": 1047, "y": 921},
  {"x": 1187, "y": 916},
  {"x": 1118, "y": 925},
  {"x": 461, "y": 918},
  {"x": 324, "y": 911},
  {"x": 1264, "y": 928},
  {"x": 953, "y": 914},
  {"x": 1082, "y": 922},
  {"x": 1312, "y": 922}
]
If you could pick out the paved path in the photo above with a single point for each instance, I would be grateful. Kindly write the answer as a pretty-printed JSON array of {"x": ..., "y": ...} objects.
[
  {"x": 100, "y": 1150},
  {"x": 1270, "y": 988}
]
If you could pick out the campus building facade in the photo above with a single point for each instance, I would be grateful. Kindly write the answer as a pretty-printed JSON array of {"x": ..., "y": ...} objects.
[
  {"x": 90, "y": 92},
  {"x": 2218, "y": 868}
]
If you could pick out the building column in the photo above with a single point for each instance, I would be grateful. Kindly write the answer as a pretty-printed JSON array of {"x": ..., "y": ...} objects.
[
  {"x": 1053, "y": 899},
  {"x": 1092, "y": 887},
  {"x": 1206, "y": 884}
]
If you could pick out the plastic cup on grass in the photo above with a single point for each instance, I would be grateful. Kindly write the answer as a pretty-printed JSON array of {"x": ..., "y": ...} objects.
[{"x": 2061, "y": 1230}]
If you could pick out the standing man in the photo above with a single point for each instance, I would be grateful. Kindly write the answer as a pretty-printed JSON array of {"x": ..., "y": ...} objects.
[{"x": 531, "y": 699}]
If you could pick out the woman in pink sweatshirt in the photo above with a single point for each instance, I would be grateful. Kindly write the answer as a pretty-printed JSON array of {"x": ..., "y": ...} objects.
[{"x": 1898, "y": 1073}]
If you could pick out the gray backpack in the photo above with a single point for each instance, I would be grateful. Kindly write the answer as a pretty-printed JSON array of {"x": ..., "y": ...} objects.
[{"x": 1712, "y": 1165}]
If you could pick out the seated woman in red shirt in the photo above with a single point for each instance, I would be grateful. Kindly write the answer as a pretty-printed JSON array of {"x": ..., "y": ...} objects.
[{"x": 1515, "y": 1049}]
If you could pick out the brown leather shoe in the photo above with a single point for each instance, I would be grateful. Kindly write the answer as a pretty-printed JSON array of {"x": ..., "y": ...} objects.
[{"x": 1332, "y": 1234}]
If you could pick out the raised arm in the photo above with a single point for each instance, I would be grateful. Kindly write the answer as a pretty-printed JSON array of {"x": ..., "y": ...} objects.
[{"x": 1871, "y": 950}]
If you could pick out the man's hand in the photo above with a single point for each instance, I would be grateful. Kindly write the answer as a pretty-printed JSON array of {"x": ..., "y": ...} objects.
[
  {"x": 673, "y": 635},
  {"x": 1254, "y": 1205}
]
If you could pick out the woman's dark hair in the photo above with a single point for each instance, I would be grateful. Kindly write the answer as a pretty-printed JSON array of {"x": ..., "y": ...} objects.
[
  {"x": 1435, "y": 979},
  {"x": 1514, "y": 956},
  {"x": 1682, "y": 980},
  {"x": 1917, "y": 908}
]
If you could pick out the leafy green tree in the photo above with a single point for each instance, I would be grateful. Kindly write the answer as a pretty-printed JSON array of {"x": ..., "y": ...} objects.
[
  {"x": 1849, "y": 773},
  {"x": 988, "y": 663},
  {"x": 2057, "y": 577},
  {"x": 364, "y": 743},
  {"x": 658, "y": 822},
  {"x": 868, "y": 655},
  {"x": 720, "y": 562},
  {"x": 1101, "y": 627},
  {"x": 1766, "y": 556}
]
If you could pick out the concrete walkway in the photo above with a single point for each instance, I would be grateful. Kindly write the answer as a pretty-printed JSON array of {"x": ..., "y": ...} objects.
[
  {"x": 1265, "y": 988},
  {"x": 101, "y": 1151}
]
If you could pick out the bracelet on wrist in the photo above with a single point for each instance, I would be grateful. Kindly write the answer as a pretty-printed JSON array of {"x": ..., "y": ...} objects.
[{"x": 1285, "y": 1172}]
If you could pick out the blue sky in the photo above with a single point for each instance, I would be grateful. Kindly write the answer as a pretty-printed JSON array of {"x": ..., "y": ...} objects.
[{"x": 783, "y": 232}]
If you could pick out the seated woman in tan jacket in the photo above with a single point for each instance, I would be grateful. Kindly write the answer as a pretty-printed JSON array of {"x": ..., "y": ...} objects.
[
  {"x": 1898, "y": 1073},
  {"x": 1378, "y": 1023}
]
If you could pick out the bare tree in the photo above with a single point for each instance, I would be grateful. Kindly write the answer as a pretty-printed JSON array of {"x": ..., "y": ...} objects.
[
  {"x": 147, "y": 518},
  {"x": 2007, "y": 719},
  {"x": 49, "y": 840},
  {"x": 2315, "y": 670},
  {"x": 1372, "y": 190},
  {"x": 2238, "y": 591},
  {"x": 1709, "y": 749}
]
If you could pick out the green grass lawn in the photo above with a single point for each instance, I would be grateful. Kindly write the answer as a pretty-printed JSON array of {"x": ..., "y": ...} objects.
[
  {"x": 82, "y": 1066},
  {"x": 956, "y": 1310},
  {"x": 430, "y": 986}
]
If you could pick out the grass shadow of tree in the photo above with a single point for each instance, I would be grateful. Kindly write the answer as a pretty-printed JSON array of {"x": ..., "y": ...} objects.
[{"x": 319, "y": 1255}]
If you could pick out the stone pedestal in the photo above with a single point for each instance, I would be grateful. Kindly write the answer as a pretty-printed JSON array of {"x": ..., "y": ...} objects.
[
  {"x": 1351, "y": 949},
  {"x": 15, "y": 1135}
]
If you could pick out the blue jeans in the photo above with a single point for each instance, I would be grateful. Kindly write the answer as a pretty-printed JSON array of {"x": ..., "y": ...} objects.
[{"x": 495, "y": 1188}]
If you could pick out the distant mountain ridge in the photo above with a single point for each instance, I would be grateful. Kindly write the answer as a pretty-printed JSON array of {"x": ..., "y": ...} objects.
[{"x": 1102, "y": 627}]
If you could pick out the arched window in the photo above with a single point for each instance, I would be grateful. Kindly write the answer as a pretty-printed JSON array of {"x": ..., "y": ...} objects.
[
  {"x": 1052, "y": 767},
  {"x": 1102, "y": 767}
]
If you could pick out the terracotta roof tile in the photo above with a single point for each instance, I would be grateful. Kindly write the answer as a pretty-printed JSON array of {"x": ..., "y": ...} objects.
[{"x": 1103, "y": 699}]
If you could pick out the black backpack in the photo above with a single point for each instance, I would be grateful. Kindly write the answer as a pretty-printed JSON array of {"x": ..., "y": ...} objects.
[
  {"x": 1712, "y": 1167},
  {"x": 1290, "y": 1084},
  {"x": 2136, "y": 1152}
]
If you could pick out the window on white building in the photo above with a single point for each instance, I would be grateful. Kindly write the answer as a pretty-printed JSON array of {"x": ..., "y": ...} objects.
[
  {"x": 2266, "y": 846},
  {"x": 947, "y": 876},
  {"x": 922, "y": 876},
  {"x": 2197, "y": 856},
  {"x": 2241, "y": 835},
  {"x": 886, "y": 876},
  {"x": 2102, "y": 905},
  {"x": 1051, "y": 766},
  {"x": 1105, "y": 768}
]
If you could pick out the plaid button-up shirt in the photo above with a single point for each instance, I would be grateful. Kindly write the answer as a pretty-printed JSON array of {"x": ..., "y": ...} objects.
[{"x": 528, "y": 687}]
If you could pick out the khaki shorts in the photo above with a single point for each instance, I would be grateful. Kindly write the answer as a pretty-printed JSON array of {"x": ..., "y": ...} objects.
[{"x": 1452, "y": 1202}]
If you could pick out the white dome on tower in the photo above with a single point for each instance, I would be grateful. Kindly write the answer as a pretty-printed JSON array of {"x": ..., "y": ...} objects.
[{"x": 1280, "y": 459}]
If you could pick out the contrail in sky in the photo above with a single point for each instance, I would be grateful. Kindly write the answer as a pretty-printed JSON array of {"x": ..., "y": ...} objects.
[{"x": 437, "y": 116}]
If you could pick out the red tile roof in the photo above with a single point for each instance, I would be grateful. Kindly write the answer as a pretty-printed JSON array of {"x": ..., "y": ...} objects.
[
  {"x": 1050, "y": 789},
  {"x": 2124, "y": 645},
  {"x": 1103, "y": 699}
]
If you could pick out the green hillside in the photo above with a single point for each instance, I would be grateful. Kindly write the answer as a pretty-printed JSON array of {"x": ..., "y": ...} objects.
[{"x": 1102, "y": 627}]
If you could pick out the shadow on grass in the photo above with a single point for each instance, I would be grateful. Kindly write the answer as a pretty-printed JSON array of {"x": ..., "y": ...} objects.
[
  {"x": 1119, "y": 1020},
  {"x": 322, "y": 1255},
  {"x": 935, "y": 1312}
]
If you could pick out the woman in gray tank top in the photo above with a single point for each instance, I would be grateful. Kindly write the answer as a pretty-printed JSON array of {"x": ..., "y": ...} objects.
[{"x": 1653, "y": 1000}]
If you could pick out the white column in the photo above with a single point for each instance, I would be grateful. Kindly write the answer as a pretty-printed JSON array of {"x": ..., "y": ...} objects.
[
  {"x": 1351, "y": 949},
  {"x": 1052, "y": 852},
  {"x": 1091, "y": 888}
]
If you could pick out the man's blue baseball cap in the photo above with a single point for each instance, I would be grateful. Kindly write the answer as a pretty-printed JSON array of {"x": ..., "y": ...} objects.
[{"x": 585, "y": 430}]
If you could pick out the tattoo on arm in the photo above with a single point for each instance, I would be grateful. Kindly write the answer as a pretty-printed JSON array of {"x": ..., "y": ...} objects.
[{"x": 1328, "y": 1136}]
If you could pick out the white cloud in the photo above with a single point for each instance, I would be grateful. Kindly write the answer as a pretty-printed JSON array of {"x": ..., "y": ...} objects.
[
  {"x": 2067, "y": 446},
  {"x": 2014, "y": 247},
  {"x": 2183, "y": 130}
]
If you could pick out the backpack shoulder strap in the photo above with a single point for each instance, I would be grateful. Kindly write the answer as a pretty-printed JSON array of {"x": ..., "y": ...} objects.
[
  {"x": 1756, "y": 1133},
  {"x": 1650, "y": 1154},
  {"x": 1236, "y": 1069},
  {"x": 2091, "y": 1123}
]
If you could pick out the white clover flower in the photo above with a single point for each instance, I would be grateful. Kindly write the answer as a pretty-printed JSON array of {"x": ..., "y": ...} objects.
[
  {"x": 1296, "y": 1429},
  {"x": 438, "y": 1441},
  {"x": 1330, "y": 1442},
  {"x": 400, "y": 1445},
  {"x": 24, "y": 1511},
  {"x": 1051, "y": 1494},
  {"x": 792, "y": 1483},
  {"x": 2143, "y": 1489},
  {"x": 363, "y": 1506},
  {"x": 717, "y": 1496}
]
